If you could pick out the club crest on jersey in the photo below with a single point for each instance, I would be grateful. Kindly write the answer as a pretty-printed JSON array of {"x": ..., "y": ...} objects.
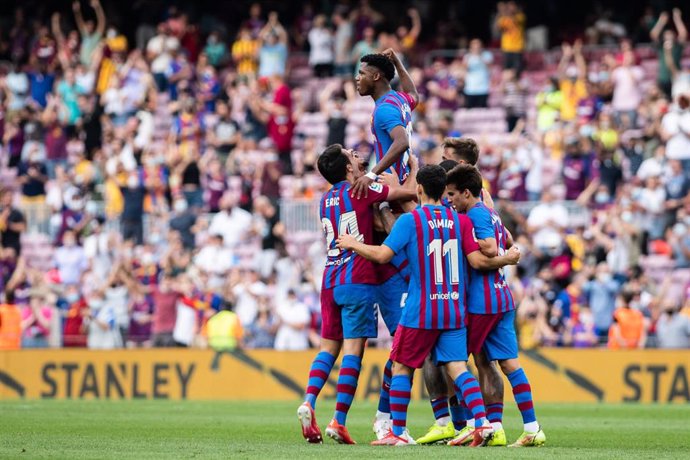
[{"x": 376, "y": 187}]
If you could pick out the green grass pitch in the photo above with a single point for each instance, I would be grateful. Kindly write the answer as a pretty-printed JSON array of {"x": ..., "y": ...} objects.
[{"x": 169, "y": 429}]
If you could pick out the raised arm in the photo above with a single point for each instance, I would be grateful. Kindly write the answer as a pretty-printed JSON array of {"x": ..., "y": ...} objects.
[
  {"x": 416, "y": 23},
  {"x": 655, "y": 33},
  {"x": 668, "y": 58},
  {"x": 100, "y": 17},
  {"x": 379, "y": 254},
  {"x": 406, "y": 83},
  {"x": 680, "y": 27},
  {"x": 580, "y": 59},
  {"x": 79, "y": 19},
  {"x": 567, "y": 51}
]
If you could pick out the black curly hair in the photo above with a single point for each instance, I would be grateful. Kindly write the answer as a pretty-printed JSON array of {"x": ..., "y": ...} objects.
[{"x": 382, "y": 63}]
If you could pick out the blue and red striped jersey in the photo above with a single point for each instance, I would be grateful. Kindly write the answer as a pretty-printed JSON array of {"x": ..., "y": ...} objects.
[
  {"x": 340, "y": 214},
  {"x": 392, "y": 109},
  {"x": 489, "y": 293},
  {"x": 435, "y": 240}
]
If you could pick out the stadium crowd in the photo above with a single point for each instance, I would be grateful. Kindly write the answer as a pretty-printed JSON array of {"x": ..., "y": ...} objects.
[{"x": 151, "y": 186}]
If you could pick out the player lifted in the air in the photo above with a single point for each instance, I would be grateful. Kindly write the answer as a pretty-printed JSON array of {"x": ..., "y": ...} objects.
[
  {"x": 491, "y": 319},
  {"x": 392, "y": 118},
  {"x": 348, "y": 287},
  {"x": 437, "y": 242}
]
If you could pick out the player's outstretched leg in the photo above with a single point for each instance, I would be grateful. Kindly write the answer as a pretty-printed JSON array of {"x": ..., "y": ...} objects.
[
  {"x": 347, "y": 386},
  {"x": 468, "y": 387},
  {"x": 522, "y": 391},
  {"x": 318, "y": 375},
  {"x": 435, "y": 381},
  {"x": 382, "y": 421}
]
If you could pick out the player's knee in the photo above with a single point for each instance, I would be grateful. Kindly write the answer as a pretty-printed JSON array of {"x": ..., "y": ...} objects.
[
  {"x": 331, "y": 347},
  {"x": 354, "y": 347},
  {"x": 508, "y": 366},
  {"x": 455, "y": 368},
  {"x": 400, "y": 369}
]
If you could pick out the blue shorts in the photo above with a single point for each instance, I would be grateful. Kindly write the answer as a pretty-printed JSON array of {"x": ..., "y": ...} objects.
[
  {"x": 411, "y": 346},
  {"x": 390, "y": 298},
  {"x": 450, "y": 346},
  {"x": 359, "y": 316},
  {"x": 495, "y": 334}
]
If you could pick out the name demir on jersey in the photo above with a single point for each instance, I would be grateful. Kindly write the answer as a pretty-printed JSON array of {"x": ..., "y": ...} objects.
[{"x": 441, "y": 223}]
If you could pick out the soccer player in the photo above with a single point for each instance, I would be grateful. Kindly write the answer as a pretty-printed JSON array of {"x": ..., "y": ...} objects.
[
  {"x": 461, "y": 151},
  {"x": 392, "y": 118},
  {"x": 491, "y": 319},
  {"x": 347, "y": 293},
  {"x": 437, "y": 242}
]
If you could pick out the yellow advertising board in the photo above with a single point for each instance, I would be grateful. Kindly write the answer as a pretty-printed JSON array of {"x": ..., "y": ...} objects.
[{"x": 556, "y": 375}]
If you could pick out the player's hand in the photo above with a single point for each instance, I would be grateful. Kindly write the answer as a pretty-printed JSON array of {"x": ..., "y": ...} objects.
[
  {"x": 389, "y": 179},
  {"x": 663, "y": 17},
  {"x": 414, "y": 164},
  {"x": 361, "y": 187},
  {"x": 346, "y": 242},
  {"x": 390, "y": 54},
  {"x": 513, "y": 255}
]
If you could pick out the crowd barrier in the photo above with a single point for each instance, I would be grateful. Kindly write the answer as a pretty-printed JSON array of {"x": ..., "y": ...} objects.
[{"x": 557, "y": 375}]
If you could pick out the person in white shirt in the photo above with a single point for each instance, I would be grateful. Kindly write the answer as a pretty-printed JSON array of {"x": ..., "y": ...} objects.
[
  {"x": 321, "y": 48},
  {"x": 294, "y": 319},
  {"x": 215, "y": 259},
  {"x": 675, "y": 130},
  {"x": 232, "y": 223},
  {"x": 545, "y": 222},
  {"x": 159, "y": 51},
  {"x": 248, "y": 293}
]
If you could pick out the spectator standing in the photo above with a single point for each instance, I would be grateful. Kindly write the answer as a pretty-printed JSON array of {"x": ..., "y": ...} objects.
[
  {"x": 245, "y": 51},
  {"x": 545, "y": 222},
  {"x": 342, "y": 43},
  {"x": 600, "y": 292},
  {"x": 132, "y": 217},
  {"x": 627, "y": 92},
  {"x": 36, "y": 322},
  {"x": 70, "y": 259},
  {"x": 662, "y": 35},
  {"x": 294, "y": 318},
  {"x": 224, "y": 330},
  {"x": 12, "y": 223},
  {"x": 321, "y": 43},
  {"x": 280, "y": 125},
  {"x": 164, "y": 299},
  {"x": 367, "y": 45},
  {"x": 572, "y": 80},
  {"x": 215, "y": 49},
  {"x": 10, "y": 323},
  {"x": 273, "y": 50},
  {"x": 514, "y": 98},
  {"x": 673, "y": 327},
  {"x": 159, "y": 51},
  {"x": 91, "y": 33},
  {"x": 477, "y": 75},
  {"x": 510, "y": 21},
  {"x": 232, "y": 222},
  {"x": 629, "y": 326},
  {"x": 104, "y": 333}
]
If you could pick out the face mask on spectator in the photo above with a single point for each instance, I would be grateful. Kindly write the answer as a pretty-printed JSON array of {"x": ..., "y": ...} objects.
[
  {"x": 626, "y": 216},
  {"x": 604, "y": 277},
  {"x": 72, "y": 297},
  {"x": 601, "y": 198},
  {"x": 132, "y": 182}
]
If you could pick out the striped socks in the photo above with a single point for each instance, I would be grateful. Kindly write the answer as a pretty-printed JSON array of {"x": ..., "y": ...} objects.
[
  {"x": 468, "y": 387},
  {"x": 318, "y": 374},
  {"x": 457, "y": 413},
  {"x": 401, "y": 386},
  {"x": 384, "y": 395},
  {"x": 494, "y": 413},
  {"x": 347, "y": 386},
  {"x": 522, "y": 391},
  {"x": 440, "y": 408}
]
